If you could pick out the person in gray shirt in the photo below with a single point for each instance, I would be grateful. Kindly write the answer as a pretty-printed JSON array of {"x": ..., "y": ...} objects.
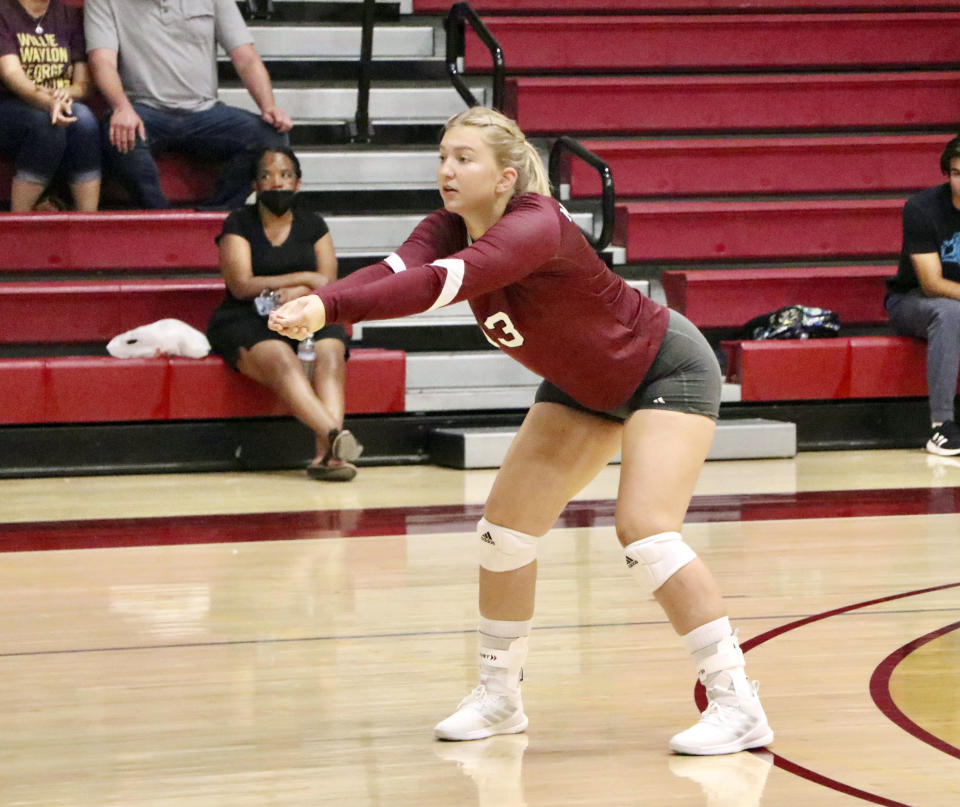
[{"x": 155, "y": 63}]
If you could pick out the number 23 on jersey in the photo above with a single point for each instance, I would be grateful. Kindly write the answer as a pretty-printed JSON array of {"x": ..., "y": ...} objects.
[{"x": 504, "y": 334}]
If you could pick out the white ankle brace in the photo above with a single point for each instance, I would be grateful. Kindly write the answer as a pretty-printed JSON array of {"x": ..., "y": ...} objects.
[{"x": 503, "y": 669}]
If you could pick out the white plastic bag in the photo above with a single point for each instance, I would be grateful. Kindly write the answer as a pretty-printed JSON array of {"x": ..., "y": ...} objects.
[{"x": 165, "y": 337}]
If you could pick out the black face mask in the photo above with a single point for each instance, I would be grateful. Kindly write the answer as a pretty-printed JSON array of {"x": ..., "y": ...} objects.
[{"x": 277, "y": 202}]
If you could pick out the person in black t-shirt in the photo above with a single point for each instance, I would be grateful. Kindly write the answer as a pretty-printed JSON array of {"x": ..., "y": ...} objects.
[
  {"x": 275, "y": 248},
  {"x": 923, "y": 298}
]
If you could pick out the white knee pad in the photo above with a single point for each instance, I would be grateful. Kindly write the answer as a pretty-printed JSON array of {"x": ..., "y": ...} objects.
[
  {"x": 502, "y": 549},
  {"x": 656, "y": 559}
]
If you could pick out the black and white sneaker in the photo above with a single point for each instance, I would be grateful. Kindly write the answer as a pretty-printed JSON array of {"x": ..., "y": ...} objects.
[{"x": 945, "y": 439}]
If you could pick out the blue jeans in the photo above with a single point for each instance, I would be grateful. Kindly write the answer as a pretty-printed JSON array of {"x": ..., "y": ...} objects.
[
  {"x": 937, "y": 320},
  {"x": 222, "y": 133},
  {"x": 39, "y": 149}
]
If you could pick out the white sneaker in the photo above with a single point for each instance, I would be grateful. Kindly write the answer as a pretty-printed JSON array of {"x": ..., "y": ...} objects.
[
  {"x": 731, "y": 722},
  {"x": 482, "y": 714}
]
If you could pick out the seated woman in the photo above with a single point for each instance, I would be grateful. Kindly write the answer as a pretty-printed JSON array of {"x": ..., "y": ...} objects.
[
  {"x": 43, "y": 126},
  {"x": 275, "y": 247}
]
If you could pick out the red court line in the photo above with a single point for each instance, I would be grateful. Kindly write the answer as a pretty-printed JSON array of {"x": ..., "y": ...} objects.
[
  {"x": 700, "y": 696},
  {"x": 880, "y": 691},
  {"x": 312, "y": 524}
]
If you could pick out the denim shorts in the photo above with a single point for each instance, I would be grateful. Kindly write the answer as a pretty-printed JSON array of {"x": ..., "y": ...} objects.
[{"x": 684, "y": 377}]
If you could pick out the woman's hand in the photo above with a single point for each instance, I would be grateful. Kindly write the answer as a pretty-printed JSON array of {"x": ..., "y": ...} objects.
[
  {"x": 299, "y": 318},
  {"x": 61, "y": 108}
]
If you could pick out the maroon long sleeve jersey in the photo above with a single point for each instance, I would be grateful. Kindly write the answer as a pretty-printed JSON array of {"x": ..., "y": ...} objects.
[{"x": 538, "y": 291}]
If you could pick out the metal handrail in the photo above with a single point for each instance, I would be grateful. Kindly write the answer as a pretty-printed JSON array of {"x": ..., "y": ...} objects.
[
  {"x": 455, "y": 27},
  {"x": 559, "y": 166},
  {"x": 362, "y": 128}
]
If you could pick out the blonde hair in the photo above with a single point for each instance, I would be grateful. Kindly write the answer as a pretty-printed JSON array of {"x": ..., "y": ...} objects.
[{"x": 509, "y": 145}]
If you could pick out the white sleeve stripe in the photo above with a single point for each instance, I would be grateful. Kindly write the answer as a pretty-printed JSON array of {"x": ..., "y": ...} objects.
[
  {"x": 395, "y": 262},
  {"x": 452, "y": 284}
]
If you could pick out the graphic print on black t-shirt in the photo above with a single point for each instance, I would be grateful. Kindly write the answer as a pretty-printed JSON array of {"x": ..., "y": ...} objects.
[
  {"x": 950, "y": 249},
  {"x": 44, "y": 60}
]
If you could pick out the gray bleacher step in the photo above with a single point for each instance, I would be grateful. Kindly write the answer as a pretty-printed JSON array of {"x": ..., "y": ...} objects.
[
  {"x": 390, "y": 104},
  {"x": 380, "y": 235},
  {"x": 405, "y": 6},
  {"x": 477, "y": 380},
  {"x": 457, "y": 314},
  {"x": 381, "y": 169},
  {"x": 486, "y": 446},
  {"x": 328, "y": 42}
]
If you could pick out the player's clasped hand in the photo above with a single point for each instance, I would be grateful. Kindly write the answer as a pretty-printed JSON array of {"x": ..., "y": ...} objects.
[{"x": 299, "y": 318}]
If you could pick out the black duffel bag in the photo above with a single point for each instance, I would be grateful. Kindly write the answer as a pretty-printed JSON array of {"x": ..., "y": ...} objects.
[{"x": 793, "y": 322}]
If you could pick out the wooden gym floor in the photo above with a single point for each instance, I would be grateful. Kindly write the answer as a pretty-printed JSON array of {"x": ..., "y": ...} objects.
[{"x": 261, "y": 639}]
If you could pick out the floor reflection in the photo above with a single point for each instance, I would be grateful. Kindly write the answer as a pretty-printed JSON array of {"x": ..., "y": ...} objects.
[
  {"x": 495, "y": 765},
  {"x": 731, "y": 780}
]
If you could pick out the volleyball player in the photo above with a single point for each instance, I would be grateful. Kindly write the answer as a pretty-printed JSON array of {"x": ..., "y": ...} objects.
[{"x": 622, "y": 373}]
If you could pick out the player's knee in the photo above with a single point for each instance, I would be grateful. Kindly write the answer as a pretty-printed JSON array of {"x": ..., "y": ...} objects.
[
  {"x": 503, "y": 549},
  {"x": 644, "y": 522},
  {"x": 655, "y": 559}
]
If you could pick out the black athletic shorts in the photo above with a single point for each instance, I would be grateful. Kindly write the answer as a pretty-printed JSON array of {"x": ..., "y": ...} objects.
[{"x": 684, "y": 377}]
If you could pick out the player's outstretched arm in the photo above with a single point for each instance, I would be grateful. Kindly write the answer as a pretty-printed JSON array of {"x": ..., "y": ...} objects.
[{"x": 299, "y": 318}]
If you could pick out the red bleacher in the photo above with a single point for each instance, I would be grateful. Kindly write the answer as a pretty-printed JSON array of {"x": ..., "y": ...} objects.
[
  {"x": 80, "y": 389},
  {"x": 85, "y": 389},
  {"x": 724, "y": 298},
  {"x": 110, "y": 241},
  {"x": 705, "y": 166},
  {"x": 747, "y": 230},
  {"x": 662, "y": 6},
  {"x": 55, "y": 311},
  {"x": 184, "y": 181},
  {"x": 717, "y": 42},
  {"x": 732, "y": 103},
  {"x": 823, "y": 369}
]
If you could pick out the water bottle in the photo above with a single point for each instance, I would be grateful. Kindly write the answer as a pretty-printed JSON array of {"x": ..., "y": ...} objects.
[
  {"x": 307, "y": 352},
  {"x": 266, "y": 301}
]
